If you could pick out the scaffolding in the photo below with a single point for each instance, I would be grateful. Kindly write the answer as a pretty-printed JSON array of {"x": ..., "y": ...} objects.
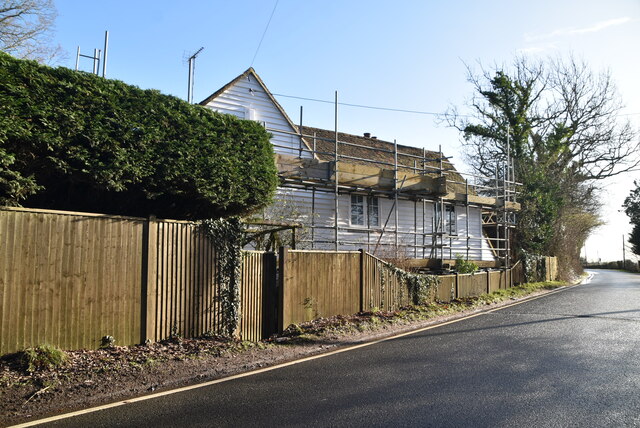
[{"x": 330, "y": 163}]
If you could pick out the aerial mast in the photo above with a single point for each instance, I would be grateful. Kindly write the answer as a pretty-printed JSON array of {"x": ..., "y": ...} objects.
[{"x": 192, "y": 66}]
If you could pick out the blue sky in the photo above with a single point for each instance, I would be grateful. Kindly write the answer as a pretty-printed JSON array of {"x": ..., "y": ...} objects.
[{"x": 404, "y": 54}]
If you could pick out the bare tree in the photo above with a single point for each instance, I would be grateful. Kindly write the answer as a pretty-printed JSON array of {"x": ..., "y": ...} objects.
[
  {"x": 560, "y": 123},
  {"x": 26, "y": 28},
  {"x": 558, "y": 113}
]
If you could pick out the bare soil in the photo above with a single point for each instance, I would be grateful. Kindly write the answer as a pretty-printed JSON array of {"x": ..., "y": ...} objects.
[{"x": 94, "y": 377}]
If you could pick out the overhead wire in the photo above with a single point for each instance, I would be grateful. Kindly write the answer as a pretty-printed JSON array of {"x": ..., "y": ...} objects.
[
  {"x": 264, "y": 32},
  {"x": 399, "y": 110}
]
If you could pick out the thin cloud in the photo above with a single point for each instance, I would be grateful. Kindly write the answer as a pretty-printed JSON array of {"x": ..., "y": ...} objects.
[
  {"x": 533, "y": 50},
  {"x": 572, "y": 31}
]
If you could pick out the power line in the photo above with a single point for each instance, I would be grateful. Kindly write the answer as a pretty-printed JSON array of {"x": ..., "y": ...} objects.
[
  {"x": 264, "y": 33},
  {"x": 428, "y": 113},
  {"x": 398, "y": 110}
]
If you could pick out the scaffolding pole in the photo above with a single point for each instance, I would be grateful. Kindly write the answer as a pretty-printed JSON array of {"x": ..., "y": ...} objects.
[
  {"x": 337, "y": 246},
  {"x": 434, "y": 243}
]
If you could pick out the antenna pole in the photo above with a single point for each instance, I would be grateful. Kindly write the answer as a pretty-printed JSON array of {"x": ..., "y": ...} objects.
[
  {"x": 104, "y": 60},
  {"x": 192, "y": 66}
]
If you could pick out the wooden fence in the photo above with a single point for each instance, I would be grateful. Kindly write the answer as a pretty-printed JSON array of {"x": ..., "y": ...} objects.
[
  {"x": 69, "y": 279},
  {"x": 327, "y": 283}
]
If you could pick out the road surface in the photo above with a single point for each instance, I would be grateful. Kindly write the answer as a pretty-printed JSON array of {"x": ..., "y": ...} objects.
[{"x": 571, "y": 358}]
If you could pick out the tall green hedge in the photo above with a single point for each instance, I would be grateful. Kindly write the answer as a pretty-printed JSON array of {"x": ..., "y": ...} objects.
[{"x": 74, "y": 141}]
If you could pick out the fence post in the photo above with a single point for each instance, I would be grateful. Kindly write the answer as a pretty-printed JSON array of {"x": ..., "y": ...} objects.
[
  {"x": 511, "y": 277},
  {"x": 148, "y": 280},
  {"x": 457, "y": 293},
  {"x": 282, "y": 283},
  {"x": 488, "y": 281},
  {"x": 362, "y": 255}
]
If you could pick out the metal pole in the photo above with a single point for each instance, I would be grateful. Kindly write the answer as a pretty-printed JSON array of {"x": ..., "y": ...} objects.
[
  {"x": 300, "y": 131},
  {"x": 497, "y": 247},
  {"x": 395, "y": 185},
  {"x": 336, "y": 172},
  {"x": 415, "y": 228},
  {"x": 624, "y": 258},
  {"x": 504, "y": 219},
  {"x": 424, "y": 226},
  {"x": 95, "y": 59},
  {"x": 466, "y": 206},
  {"x": 104, "y": 60},
  {"x": 507, "y": 173},
  {"x": 192, "y": 67},
  {"x": 441, "y": 202},
  {"x": 415, "y": 218},
  {"x": 313, "y": 216},
  {"x": 78, "y": 58},
  {"x": 189, "y": 86}
]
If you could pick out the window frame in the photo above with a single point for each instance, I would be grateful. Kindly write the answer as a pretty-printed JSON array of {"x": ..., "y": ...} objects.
[
  {"x": 369, "y": 209},
  {"x": 450, "y": 219},
  {"x": 354, "y": 202}
]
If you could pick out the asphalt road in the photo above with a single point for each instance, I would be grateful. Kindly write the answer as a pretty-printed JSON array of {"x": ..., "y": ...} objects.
[{"x": 571, "y": 358}]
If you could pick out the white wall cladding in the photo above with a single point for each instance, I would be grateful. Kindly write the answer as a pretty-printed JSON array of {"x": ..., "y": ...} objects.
[
  {"x": 300, "y": 205},
  {"x": 247, "y": 99}
]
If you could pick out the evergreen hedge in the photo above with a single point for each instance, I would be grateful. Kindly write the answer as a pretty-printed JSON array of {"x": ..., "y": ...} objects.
[{"x": 74, "y": 141}]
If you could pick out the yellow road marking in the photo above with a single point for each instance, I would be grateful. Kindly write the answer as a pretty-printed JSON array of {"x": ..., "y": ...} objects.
[{"x": 276, "y": 367}]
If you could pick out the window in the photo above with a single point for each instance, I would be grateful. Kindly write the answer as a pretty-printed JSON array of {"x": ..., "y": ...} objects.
[
  {"x": 364, "y": 211},
  {"x": 372, "y": 211},
  {"x": 449, "y": 219},
  {"x": 250, "y": 113},
  {"x": 357, "y": 210}
]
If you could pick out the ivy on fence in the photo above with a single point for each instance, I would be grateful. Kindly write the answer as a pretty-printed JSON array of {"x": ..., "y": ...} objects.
[
  {"x": 226, "y": 236},
  {"x": 420, "y": 286}
]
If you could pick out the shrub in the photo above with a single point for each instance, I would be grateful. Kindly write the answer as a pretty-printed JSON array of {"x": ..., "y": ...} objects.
[
  {"x": 464, "y": 266},
  {"x": 42, "y": 357},
  {"x": 72, "y": 140}
]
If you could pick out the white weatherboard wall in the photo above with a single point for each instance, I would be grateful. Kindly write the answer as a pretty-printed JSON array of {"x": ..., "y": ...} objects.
[
  {"x": 247, "y": 99},
  {"x": 298, "y": 205}
]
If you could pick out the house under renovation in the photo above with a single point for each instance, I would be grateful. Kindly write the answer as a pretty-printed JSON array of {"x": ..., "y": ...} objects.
[{"x": 349, "y": 192}]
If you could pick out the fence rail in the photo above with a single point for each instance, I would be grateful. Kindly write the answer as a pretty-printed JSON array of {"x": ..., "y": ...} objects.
[{"x": 68, "y": 279}]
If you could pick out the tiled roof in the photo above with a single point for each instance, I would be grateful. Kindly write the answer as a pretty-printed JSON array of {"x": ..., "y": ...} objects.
[{"x": 377, "y": 152}]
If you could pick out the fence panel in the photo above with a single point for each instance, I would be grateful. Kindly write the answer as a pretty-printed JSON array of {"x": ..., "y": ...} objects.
[
  {"x": 551, "y": 268},
  {"x": 517, "y": 273},
  {"x": 184, "y": 287},
  {"x": 68, "y": 279},
  {"x": 257, "y": 296},
  {"x": 446, "y": 288},
  {"x": 472, "y": 285},
  {"x": 319, "y": 284},
  {"x": 381, "y": 287},
  {"x": 495, "y": 283}
]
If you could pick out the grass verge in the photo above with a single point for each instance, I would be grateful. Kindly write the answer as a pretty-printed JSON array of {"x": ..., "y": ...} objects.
[{"x": 320, "y": 328}]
